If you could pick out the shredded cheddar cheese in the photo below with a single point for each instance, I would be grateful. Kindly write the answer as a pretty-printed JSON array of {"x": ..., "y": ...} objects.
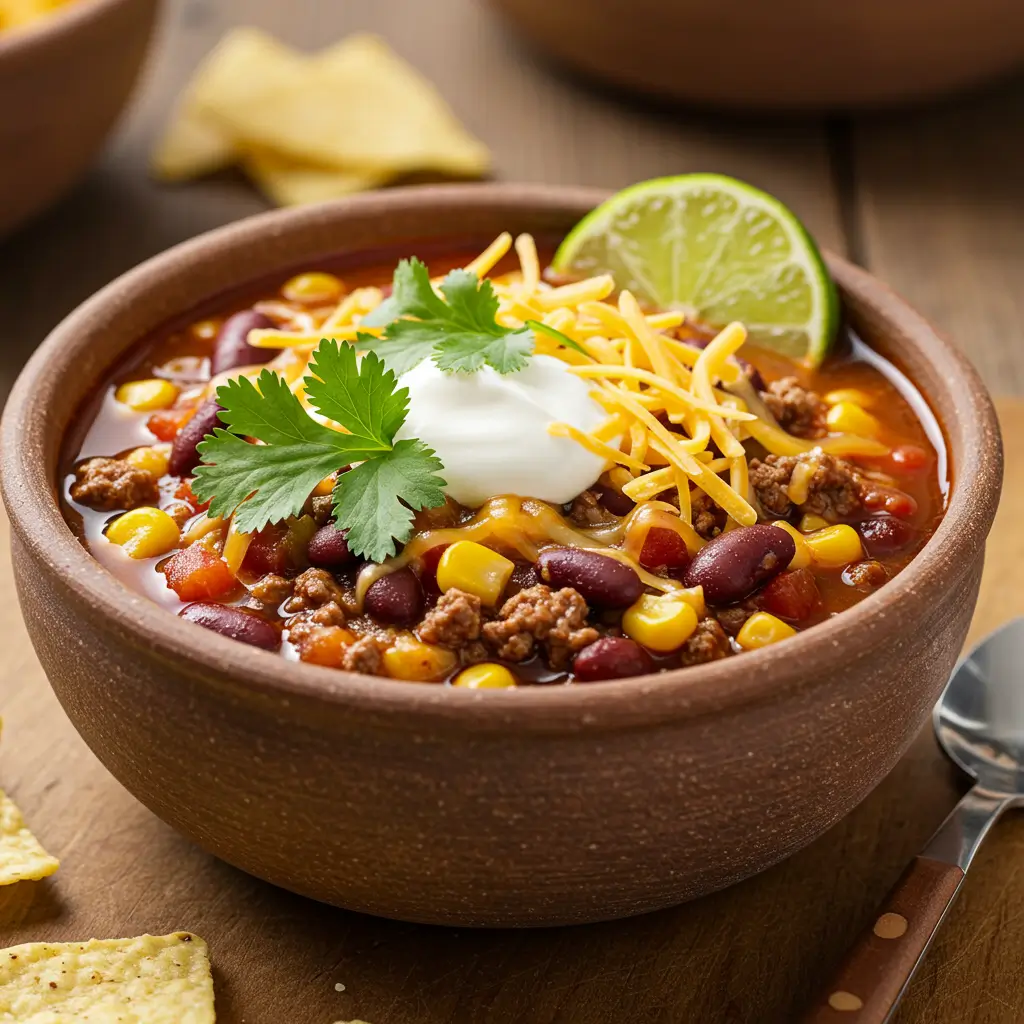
[{"x": 678, "y": 413}]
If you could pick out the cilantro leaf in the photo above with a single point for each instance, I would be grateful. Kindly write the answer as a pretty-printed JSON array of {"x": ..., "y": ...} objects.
[
  {"x": 556, "y": 335},
  {"x": 267, "y": 482},
  {"x": 362, "y": 398},
  {"x": 375, "y": 501},
  {"x": 298, "y": 453},
  {"x": 459, "y": 330}
]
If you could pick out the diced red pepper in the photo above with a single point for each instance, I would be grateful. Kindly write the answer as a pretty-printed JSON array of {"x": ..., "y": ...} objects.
[
  {"x": 664, "y": 549},
  {"x": 186, "y": 494},
  {"x": 792, "y": 596},
  {"x": 268, "y": 551},
  {"x": 910, "y": 457},
  {"x": 197, "y": 574},
  {"x": 166, "y": 423}
]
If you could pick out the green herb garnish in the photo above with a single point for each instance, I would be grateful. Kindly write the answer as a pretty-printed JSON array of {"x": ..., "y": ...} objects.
[
  {"x": 271, "y": 481},
  {"x": 459, "y": 331}
]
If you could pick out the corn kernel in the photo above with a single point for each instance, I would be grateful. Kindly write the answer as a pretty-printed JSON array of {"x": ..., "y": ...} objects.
[
  {"x": 144, "y": 532},
  {"x": 485, "y": 676},
  {"x": 802, "y": 558},
  {"x": 835, "y": 546},
  {"x": 762, "y": 629},
  {"x": 147, "y": 395},
  {"x": 855, "y": 395},
  {"x": 152, "y": 458},
  {"x": 469, "y": 566},
  {"x": 312, "y": 287},
  {"x": 850, "y": 418},
  {"x": 414, "y": 661},
  {"x": 326, "y": 486},
  {"x": 661, "y": 622},
  {"x": 694, "y": 597},
  {"x": 809, "y": 522}
]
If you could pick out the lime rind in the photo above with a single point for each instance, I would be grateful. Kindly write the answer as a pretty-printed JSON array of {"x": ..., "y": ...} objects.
[{"x": 717, "y": 249}]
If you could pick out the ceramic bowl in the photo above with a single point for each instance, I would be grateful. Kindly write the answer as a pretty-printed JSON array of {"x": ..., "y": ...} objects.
[
  {"x": 63, "y": 81},
  {"x": 788, "y": 54},
  {"x": 537, "y": 806}
]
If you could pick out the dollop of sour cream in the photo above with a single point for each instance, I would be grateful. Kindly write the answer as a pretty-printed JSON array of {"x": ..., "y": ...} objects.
[{"x": 491, "y": 430}]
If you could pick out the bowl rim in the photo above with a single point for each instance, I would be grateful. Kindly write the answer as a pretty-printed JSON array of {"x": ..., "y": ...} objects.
[
  {"x": 66, "y": 19},
  {"x": 30, "y": 497}
]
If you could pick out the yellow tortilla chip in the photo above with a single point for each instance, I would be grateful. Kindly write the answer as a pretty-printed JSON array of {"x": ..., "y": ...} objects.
[
  {"x": 240, "y": 69},
  {"x": 288, "y": 182},
  {"x": 153, "y": 979},
  {"x": 356, "y": 105},
  {"x": 22, "y": 857}
]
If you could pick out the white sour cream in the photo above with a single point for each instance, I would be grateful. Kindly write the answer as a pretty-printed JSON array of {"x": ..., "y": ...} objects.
[{"x": 490, "y": 429}]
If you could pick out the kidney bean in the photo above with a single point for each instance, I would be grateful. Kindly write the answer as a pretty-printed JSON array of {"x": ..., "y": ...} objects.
[
  {"x": 734, "y": 564},
  {"x": 888, "y": 499},
  {"x": 233, "y": 623},
  {"x": 231, "y": 349},
  {"x": 614, "y": 501},
  {"x": 611, "y": 657},
  {"x": 792, "y": 596},
  {"x": 664, "y": 549},
  {"x": 328, "y": 548},
  {"x": 885, "y": 535},
  {"x": 396, "y": 599},
  {"x": 184, "y": 457},
  {"x": 599, "y": 579}
]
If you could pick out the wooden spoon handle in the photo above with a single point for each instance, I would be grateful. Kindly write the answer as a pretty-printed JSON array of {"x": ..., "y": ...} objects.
[{"x": 880, "y": 964}]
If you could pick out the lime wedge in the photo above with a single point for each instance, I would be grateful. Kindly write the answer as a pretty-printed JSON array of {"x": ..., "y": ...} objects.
[{"x": 716, "y": 249}]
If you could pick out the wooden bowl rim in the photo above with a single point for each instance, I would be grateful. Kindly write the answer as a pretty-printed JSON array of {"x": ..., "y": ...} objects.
[
  {"x": 24, "y": 40},
  {"x": 249, "y": 674}
]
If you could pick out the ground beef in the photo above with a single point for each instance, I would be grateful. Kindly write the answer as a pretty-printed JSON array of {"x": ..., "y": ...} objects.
[
  {"x": 798, "y": 410},
  {"x": 303, "y": 625},
  {"x": 312, "y": 589},
  {"x": 320, "y": 509},
  {"x": 473, "y": 653},
  {"x": 587, "y": 511},
  {"x": 453, "y": 621},
  {"x": 708, "y": 519},
  {"x": 181, "y": 512},
  {"x": 554, "y": 618},
  {"x": 834, "y": 492},
  {"x": 109, "y": 485},
  {"x": 366, "y": 655},
  {"x": 869, "y": 575},
  {"x": 709, "y": 642},
  {"x": 271, "y": 589},
  {"x": 732, "y": 619}
]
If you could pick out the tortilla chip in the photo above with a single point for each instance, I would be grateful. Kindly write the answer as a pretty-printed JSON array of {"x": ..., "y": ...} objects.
[
  {"x": 240, "y": 69},
  {"x": 149, "y": 980},
  {"x": 22, "y": 857},
  {"x": 356, "y": 105},
  {"x": 288, "y": 182}
]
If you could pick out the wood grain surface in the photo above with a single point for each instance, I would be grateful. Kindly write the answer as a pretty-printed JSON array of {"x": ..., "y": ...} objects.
[{"x": 933, "y": 200}]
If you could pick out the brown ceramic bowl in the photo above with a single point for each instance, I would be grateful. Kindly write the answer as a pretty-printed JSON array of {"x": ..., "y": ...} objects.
[
  {"x": 788, "y": 54},
  {"x": 430, "y": 803},
  {"x": 63, "y": 81}
]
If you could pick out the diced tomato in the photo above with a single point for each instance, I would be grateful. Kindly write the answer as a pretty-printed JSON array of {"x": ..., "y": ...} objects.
[
  {"x": 166, "y": 423},
  {"x": 890, "y": 500},
  {"x": 186, "y": 494},
  {"x": 664, "y": 549},
  {"x": 197, "y": 574},
  {"x": 910, "y": 457},
  {"x": 268, "y": 551},
  {"x": 326, "y": 646},
  {"x": 792, "y": 596}
]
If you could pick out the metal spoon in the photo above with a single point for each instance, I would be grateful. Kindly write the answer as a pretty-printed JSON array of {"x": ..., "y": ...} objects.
[{"x": 979, "y": 721}]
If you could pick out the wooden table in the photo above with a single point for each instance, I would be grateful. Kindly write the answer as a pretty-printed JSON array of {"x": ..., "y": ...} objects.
[{"x": 931, "y": 200}]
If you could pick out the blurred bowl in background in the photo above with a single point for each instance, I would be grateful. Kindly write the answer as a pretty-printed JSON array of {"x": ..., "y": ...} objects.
[
  {"x": 787, "y": 54},
  {"x": 63, "y": 81}
]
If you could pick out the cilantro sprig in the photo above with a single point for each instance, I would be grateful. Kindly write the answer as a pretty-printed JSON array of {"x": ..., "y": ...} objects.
[
  {"x": 458, "y": 329},
  {"x": 262, "y": 483}
]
